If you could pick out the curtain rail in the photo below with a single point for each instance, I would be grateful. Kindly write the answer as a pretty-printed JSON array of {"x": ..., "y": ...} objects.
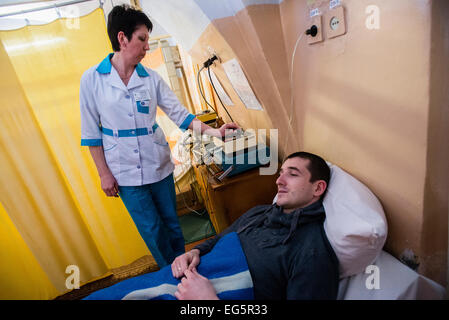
[{"x": 55, "y": 5}]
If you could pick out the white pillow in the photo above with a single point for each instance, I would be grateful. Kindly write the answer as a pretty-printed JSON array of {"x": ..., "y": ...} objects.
[{"x": 355, "y": 222}]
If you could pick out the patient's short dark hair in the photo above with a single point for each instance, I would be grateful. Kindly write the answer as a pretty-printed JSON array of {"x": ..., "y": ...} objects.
[
  {"x": 127, "y": 19},
  {"x": 318, "y": 168}
]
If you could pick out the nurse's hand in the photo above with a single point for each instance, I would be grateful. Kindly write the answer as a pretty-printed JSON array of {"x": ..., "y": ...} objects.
[
  {"x": 109, "y": 185},
  {"x": 227, "y": 128},
  {"x": 186, "y": 261}
]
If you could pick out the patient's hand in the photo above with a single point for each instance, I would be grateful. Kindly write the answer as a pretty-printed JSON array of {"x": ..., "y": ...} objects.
[
  {"x": 195, "y": 287},
  {"x": 188, "y": 260}
]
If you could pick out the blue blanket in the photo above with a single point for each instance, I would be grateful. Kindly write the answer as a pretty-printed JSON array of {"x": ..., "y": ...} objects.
[{"x": 225, "y": 266}]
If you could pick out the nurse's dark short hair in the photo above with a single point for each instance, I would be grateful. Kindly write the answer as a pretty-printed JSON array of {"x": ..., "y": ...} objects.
[
  {"x": 318, "y": 168},
  {"x": 127, "y": 19}
]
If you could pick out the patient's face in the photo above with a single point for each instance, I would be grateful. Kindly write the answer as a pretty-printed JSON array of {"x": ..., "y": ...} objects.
[{"x": 294, "y": 187}]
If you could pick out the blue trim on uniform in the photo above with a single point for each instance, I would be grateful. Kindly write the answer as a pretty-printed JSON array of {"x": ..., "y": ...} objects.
[
  {"x": 129, "y": 132},
  {"x": 185, "y": 125},
  {"x": 126, "y": 133},
  {"x": 107, "y": 131},
  {"x": 143, "y": 108},
  {"x": 141, "y": 71},
  {"x": 105, "y": 67},
  {"x": 139, "y": 132},
  {"x": 91, "y": 142}
]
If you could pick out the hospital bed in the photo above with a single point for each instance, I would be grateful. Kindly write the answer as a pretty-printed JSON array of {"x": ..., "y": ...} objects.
[
  {"x": 396, "y": 282},
  {"x": 356, "y": 228}
]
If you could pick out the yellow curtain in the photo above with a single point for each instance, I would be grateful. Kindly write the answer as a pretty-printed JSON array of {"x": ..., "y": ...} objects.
[{"x": 54, "y": 213}]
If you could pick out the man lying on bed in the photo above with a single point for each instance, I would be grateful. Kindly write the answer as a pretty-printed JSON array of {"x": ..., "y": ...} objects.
[{"x": 286, "y": 248}]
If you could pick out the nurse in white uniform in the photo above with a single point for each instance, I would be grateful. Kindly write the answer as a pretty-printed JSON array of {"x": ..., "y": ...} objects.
[{"x": 118, "y": 100}]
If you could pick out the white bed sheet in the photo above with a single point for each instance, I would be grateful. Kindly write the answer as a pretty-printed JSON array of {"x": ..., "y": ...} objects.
[{"x": 396, "y": 282}]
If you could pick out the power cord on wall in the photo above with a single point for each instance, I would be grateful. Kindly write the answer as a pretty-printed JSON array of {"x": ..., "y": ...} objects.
[
  {"x": 210, "y": 61},
  {"x": 212, "y": 82},
  {"x": 291, "y": 113},
  {"x": 207, "y": 65},
  {"x": 201, "y": 90}
]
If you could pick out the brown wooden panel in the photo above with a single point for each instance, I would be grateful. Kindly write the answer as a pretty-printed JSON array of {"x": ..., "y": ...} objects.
[{"x": 226, "y": 201}]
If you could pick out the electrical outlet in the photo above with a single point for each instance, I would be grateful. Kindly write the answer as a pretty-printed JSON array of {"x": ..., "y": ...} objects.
[
  {"x": 205, "y": 54},
  {"x": 211, "y": 50},
  {"x": 316, "y": 21},
  {"x": 212, "y": 53},
  {"x": 335, "y": 22}
]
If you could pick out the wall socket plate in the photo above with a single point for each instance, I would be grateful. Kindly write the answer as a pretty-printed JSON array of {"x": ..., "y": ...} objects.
[
  {"x": 335, "y": 22},
  {"x": 317, "y": 21},
  {"x": 212, "y": 53}
]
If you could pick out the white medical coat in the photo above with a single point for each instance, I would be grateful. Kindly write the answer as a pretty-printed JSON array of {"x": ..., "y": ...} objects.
[{"x": 122, "y": 119}]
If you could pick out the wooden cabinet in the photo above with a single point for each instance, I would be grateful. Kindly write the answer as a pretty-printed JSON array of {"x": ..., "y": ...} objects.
[{"x": 228, "y": 200}]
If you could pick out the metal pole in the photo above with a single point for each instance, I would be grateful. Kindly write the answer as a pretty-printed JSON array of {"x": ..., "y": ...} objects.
[{"x": 52, "y": 6}]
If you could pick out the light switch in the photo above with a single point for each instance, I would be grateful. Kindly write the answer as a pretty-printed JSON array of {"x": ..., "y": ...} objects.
[
  {"x": 335, "y": 22},
  {"x": 316, "y": 21}
]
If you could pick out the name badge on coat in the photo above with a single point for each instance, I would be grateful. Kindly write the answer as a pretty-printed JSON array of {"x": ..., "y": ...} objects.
[{"x": 142, "y": 98}]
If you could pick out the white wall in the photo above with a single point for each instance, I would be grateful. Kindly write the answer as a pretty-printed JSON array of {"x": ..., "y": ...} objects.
[{"x": 182, "y": 19}]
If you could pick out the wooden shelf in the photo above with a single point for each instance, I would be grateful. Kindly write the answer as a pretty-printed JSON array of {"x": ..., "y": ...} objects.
[{"x": 226, "y": 201}]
